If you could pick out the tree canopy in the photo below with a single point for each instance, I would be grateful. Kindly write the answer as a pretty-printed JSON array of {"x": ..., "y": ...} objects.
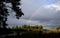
[{"x": 4, "y": 11}]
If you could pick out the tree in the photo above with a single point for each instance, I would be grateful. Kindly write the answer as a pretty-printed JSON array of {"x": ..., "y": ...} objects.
[
  {"x": 17, "y": 27},
  {"x": 58, "y": 28},
  {"x": 41, "y": 28},
  {"x": 4, "y": 11}
]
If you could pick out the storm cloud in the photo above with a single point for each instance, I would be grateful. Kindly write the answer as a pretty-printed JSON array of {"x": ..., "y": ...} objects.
[{"x": 46, "y": 12}]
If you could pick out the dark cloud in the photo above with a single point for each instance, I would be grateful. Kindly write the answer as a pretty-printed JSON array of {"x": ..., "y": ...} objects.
[{"x": 38, "y": 12}]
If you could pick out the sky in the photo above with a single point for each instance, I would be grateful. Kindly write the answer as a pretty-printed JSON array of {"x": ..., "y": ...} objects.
[{"x": 46, "y": 13}]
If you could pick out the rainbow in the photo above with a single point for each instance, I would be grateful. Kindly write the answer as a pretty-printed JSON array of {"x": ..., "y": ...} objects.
[{"x": 33, "y": 14}]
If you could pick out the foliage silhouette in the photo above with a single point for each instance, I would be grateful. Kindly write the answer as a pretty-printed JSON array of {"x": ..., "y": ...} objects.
[{"x": 4, "y": 13}]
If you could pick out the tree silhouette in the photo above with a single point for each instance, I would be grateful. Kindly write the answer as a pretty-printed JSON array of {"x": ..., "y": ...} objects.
[{"x": 4, "y": 11}]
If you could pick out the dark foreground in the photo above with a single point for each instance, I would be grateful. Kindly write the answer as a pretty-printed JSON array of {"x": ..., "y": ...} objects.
[
  {"x": 8, "y": 33},
  {"x": 33, "y": 35}
]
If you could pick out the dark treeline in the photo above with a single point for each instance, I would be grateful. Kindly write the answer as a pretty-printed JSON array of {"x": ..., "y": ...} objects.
[{"x": 33, "y": 32}]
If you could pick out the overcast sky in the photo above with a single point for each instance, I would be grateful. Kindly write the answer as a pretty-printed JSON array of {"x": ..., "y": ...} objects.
[{"x": 45, "y": 12}]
